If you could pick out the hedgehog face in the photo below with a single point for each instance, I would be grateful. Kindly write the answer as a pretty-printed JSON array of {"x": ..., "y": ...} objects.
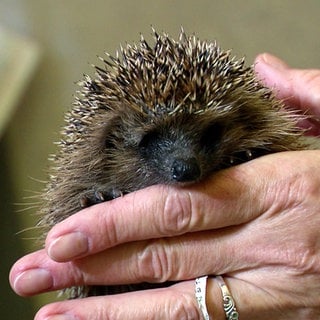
[{"x": 181, "y": 149}]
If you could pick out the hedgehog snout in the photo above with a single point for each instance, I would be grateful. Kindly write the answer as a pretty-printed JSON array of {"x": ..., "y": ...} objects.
[{"x": 185, "y": 170}]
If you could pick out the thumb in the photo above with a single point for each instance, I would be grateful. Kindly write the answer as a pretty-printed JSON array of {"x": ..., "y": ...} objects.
[{"x": 300, "y": 89}]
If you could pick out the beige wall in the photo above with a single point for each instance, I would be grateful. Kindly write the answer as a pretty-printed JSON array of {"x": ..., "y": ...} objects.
[{"x": 72, "y": 32}]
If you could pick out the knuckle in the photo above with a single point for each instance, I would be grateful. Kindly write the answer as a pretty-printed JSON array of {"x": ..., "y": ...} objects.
[
  {"x": 308, "y": 186},
  {"x": 182, "y": 306},
  {"x": 303, "y": 187},
  {"x": 305, "y": 260},
  {"x": 177, "y": 214},
  {"x": 154, "y": 263}
]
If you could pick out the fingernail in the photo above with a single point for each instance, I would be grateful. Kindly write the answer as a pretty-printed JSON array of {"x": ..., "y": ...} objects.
[
  {"x": 273, "y": 61},
  {"x": 33, "y": 281},
  {"x": 68, "y": 247}
]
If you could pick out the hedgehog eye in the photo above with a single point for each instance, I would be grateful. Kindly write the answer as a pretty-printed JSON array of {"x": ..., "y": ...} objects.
[
  {"x": 148, "y": 140},
  {"x": 212, "y": 135}
]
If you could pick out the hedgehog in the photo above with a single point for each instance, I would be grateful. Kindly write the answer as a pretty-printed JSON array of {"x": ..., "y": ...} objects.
[{"x": 172, "y": 112}]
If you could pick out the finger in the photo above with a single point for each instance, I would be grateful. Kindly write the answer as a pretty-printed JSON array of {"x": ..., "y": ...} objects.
[
  {"x": 223, "y": 200},
  {"x": 158, "y": 211},
  {"x": 299, "y": 89},
  {"x": 36, "y": 273},
  {"x": 154, "y": 261},
  {"x": 176, "y": 302},
  {"x": 258, "y": 293},
  {"x": 227, "y": 250}
]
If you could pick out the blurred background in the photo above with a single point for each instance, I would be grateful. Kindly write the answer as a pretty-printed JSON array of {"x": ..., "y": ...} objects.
[{"x": 46, "y": 46}]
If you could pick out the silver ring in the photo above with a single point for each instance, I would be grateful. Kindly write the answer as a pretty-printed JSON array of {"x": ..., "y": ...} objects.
[
  {"x": 200, "y": 292},
  {"x": 228, "y": 302}
]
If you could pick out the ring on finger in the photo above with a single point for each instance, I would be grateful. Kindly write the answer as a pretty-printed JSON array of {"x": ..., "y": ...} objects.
[
  {"x": 229, "y": 306},
  {"x": 200, "y": 291},
  {"x": 228, "y": 301}
]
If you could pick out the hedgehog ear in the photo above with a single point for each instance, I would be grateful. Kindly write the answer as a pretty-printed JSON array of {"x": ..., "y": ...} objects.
[
  {"x": 110, "y": 142},
  {"x": 110, "y": 136}
]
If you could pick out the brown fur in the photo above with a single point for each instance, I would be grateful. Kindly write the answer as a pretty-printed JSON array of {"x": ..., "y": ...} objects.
[{"x": 171, "y": 113}]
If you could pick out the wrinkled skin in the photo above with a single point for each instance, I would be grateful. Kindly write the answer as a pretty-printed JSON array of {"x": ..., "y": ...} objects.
[{"x": 257, "y": 224}]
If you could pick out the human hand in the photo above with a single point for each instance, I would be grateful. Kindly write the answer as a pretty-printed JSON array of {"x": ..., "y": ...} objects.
[
  {"x": 259, "y": 225},
  {"x": 268, "y": 252}
]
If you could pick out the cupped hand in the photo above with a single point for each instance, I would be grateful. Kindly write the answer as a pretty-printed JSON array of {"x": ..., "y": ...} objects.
[
  {"x": 259, "y": 227},
  {"x": 257, "y": 224}
]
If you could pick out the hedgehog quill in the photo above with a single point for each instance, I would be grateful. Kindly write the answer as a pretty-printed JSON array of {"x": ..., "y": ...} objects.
[{"x": 173, "y": 112}]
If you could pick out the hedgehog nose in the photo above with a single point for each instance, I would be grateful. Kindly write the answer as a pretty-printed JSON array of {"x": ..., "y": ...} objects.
[{"x": 185, "y": 170}]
